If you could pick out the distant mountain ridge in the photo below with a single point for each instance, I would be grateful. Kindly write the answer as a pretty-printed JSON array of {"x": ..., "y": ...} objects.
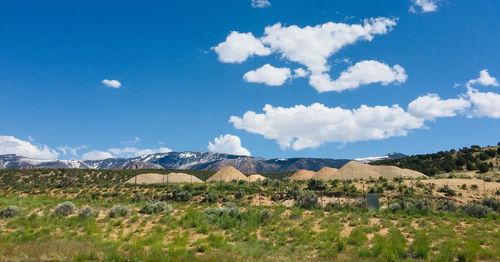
[
  {"x": 178, "y": 160},
  {"x": 390, "y": 156}
]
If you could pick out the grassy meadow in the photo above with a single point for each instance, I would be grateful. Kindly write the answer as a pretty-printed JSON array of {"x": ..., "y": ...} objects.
[{"x": 273, "y": 220}]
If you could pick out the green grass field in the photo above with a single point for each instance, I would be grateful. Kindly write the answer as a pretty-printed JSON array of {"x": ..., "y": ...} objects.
[{"x": 272, "y": 221}]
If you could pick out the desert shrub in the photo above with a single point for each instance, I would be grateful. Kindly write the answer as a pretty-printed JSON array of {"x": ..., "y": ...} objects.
[
  {"x": 278, "y": 196},
  {"x": 265, "y": 215},
  {"x": 421, "y": 246},
  {"x": 307, "y": 200},
  {"x": 314, "y": 184},
  {"x": 156, "y": 207},
  {"x": 470, "y": 166},
  {"x": 474, "y": 187},
  {"x": 491, "y": 152},
  {"x": 10, "y": 211},
  {"x": 487, "y": 179},
  {"x": 492, "y": 203},
  {"x": 210, "y": 197},
  {"x": 293, "y": 193},
  {"x": 87, "y": 212},
  {"x": 396, "y": 206},
  {"x": 483, "y": 167},
  {"x": 376, "y": 189},
  {"x": 239, "y": 194},
  {"x": 463, "y": 186},
  {"x": 64, "y": 209},
  {"x": 421, "y": 205},
  {"x": 181, "y": 195},
  {"x": 483, "y": 156},
  {"x": 446, "y": 205},
  {"x": 447, "y": 191},
  {"x": 476, "y": 210},
  {"x": 118, "y": 211},
  {"x": 227, "y": 216}
]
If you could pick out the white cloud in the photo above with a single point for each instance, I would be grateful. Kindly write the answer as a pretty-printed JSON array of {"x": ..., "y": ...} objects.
[
  {"x": 13, "y": 145},
  {"x": 268, "y": 75},
  {"x": 313, "y": 45},
  {"x": 134, "y": 151},
  {"x": 148, "y": 151},
  {"x": 423, "y": 6},
  {"x": 301, "y": 127},
  {"x": 310, "y": 46},
  {"x": 431, "y": 106},
  {"x": 484, "y": 79},
  {"x": 96, "y": 155},
  {"x": 485, "y": 104},
  {"x": 240, "y": 46},
  {"x": 228, "y": 144},
  {"x": 261, "y": 3},
  {"x": 123, "y": 152},
  {"x": 362, "y": 73},
  {"x": 111, "y": 83},
  {"x": 299, "y": 73},
  {"x": 72, "y": 151},
  {"x": 132, "y": 141}
]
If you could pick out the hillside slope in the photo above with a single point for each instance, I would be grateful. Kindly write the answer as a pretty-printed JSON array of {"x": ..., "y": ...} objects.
[{"x": 474, "y": 158}]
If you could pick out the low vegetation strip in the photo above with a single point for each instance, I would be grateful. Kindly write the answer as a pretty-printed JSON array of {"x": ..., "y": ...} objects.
[{"x": 265, "y": 220}]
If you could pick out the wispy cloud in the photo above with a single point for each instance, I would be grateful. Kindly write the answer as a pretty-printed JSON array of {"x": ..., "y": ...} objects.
[
  {"x": 423, "y": 6},
  {"x": 111, "y": 83},
  {"x": 260, "y": 3}
]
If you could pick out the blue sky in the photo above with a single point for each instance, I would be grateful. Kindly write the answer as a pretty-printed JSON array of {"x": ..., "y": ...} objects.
[{"x": 177, "y": 93}]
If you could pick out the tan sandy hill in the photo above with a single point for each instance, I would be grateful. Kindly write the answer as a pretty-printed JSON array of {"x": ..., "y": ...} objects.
[
  {"x": 302, "y": 175},
  {"x": 227, "y": 174},
  {"x": 394, "y": 171},
  {"x": 152, "y": 178},
  {"x": 354, "y": 169},
  {"x": 326, "y": 174},
  {"x": 182, "y": 178},
  {"x": 256, "y": 177}
]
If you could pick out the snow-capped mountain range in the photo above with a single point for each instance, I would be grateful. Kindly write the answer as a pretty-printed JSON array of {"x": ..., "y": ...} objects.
[{"x": 181, "y": 160}]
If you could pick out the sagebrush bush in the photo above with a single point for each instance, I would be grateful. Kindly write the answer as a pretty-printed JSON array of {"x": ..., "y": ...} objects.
[
  {"x": 118, "y": 211},
  {"x": 210, "y": 197},
  {"x": 265, "y": 215},
  {"x": 10, "y": 211},
  {"x": 421, "y": 205},
  {"x": 396, "y": 206},
  {"x": 492, "y": 203},
  {"x": 446, "y": 205},
  {"x": 307, "y": 200},
  {"x": 227, "y": 216},
  {"x": 181, "y": 196},
  {"x": 476, "y": 210},
  {"x": 87, "y": 212},
  {"x": 447, "y": 191},
  {"x": 240, "y": 193},
  {"x": 64, "y": 209},
  {"x": 156, "y": 207},
  {"x": 314, "y": 184}
]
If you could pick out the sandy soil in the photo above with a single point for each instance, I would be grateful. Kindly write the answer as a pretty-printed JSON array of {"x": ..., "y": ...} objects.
[{"x": 227, "y": 174}]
